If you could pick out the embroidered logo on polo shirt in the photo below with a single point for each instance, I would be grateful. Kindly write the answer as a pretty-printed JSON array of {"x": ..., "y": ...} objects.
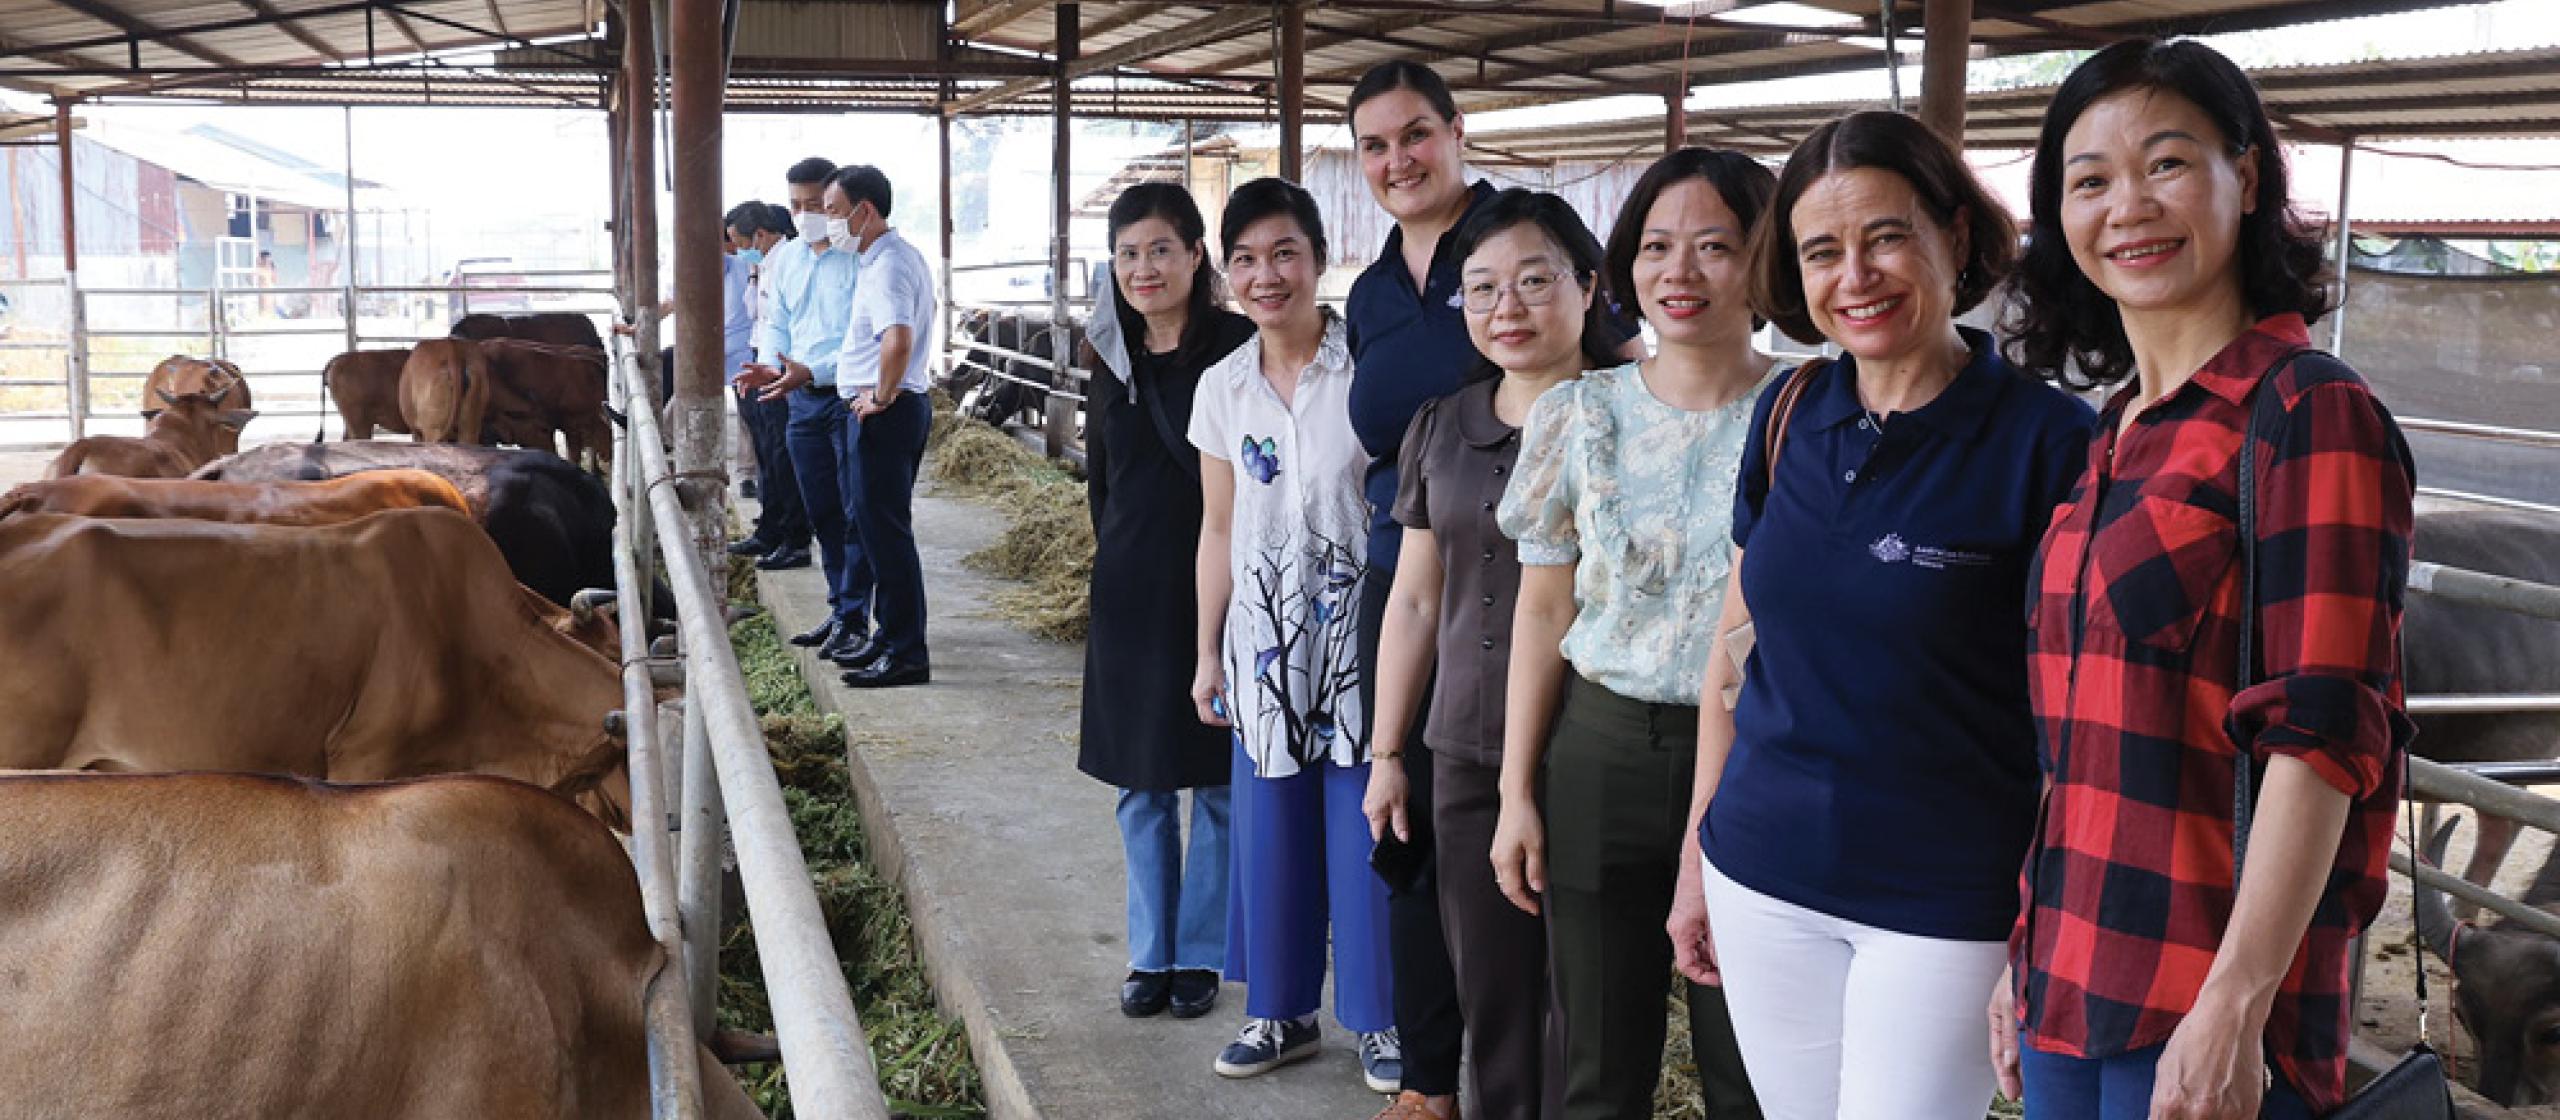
[
  {"x": 1892, "y": 549},
  {"x": 1457, "y": 300}
]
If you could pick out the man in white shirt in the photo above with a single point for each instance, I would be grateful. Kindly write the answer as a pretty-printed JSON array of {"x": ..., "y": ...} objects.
[{"x": 881, "y": 371}]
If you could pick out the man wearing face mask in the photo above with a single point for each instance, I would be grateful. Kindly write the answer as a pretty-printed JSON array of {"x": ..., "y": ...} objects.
[
  {"x": 881, "y": 372},
  {"x": 781, "y": 537},
  {"x": 812, "y": 284}
]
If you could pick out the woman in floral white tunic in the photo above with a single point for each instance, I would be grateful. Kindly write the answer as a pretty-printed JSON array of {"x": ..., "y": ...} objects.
[{"x": 1282, "y": 554}]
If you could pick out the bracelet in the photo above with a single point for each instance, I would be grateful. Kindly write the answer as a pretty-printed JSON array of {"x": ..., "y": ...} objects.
[{"x": 1385, "y": 756}]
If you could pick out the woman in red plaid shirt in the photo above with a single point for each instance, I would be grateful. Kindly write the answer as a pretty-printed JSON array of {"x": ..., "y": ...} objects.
[{"x": 2163, "y": 254}]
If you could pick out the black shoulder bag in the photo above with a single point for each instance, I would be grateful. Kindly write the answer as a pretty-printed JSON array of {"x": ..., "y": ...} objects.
[{"x": 2415, "y": 1087}]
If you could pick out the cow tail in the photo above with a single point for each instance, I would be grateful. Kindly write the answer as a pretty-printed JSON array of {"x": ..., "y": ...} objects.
[{"x": 326, "y": 401}]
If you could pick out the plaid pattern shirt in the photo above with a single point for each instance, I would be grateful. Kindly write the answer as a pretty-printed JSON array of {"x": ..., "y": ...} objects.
[{"x": 2134, "y": 618}]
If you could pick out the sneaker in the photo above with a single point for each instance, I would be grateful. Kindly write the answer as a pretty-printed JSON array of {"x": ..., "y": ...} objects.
[
  {"x": 1267, "y": 1044},
  {"x": 1382, "y": 1060},
  {"x": 1410, "y": 1105}
]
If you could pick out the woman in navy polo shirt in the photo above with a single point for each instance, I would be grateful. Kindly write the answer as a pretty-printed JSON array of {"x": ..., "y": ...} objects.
[
  {"x": 1862, "y": 812},
  {"x": 1409, "y": 344}
]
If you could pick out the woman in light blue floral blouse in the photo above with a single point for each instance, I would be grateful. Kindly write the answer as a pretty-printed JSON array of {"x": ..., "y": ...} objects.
[{"x": 1622, "y": 504}]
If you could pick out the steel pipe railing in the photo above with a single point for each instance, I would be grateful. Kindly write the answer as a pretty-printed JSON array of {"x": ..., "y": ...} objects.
[
  {"x": 675, "y": 1086},
  {"x": 832, "y": 1075}
]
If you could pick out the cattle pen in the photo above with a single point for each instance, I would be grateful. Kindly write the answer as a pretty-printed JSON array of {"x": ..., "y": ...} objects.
[{"x": 1207, "y": 71}]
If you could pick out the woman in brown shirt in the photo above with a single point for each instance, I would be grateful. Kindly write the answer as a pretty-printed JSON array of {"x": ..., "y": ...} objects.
[{"x": 1530, "y": 283}]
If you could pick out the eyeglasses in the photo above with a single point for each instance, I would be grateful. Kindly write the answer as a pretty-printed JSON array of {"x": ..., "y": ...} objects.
[{"x": 1534, "y": 289}]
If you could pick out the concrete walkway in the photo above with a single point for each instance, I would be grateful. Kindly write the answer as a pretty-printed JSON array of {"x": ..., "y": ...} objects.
[{"x": 1012, "y": 867}]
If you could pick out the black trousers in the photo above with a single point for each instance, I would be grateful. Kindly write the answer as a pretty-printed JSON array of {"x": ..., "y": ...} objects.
[
  {"x": 1617, "y": 775},
  {"x": 781, "y": 521},
  {"x": 1499, "y": 951},
  {"x": 1427, "y": 1016}
]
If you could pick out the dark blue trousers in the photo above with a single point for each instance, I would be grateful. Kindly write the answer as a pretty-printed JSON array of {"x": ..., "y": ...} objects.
[
  {"x": 886, "y": 450},
  {"x": 781, "y": 520},
  {"x": 815, "y": 439}
]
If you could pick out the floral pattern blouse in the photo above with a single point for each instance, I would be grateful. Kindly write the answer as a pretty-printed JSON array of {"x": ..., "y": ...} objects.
[
  {"x": 1638, "y": 495},
  {"x": 1299, "y": 553}
]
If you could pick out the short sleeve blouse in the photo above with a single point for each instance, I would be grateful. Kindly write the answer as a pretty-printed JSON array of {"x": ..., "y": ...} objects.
[{"x": 1638, "y": 496}]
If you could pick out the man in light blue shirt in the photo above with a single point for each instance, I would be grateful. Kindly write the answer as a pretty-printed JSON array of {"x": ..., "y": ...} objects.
[
  {"x": 880, "y": 369},
  {"x": 781, "y": 538},
  {"x": 813, "y": 283}
]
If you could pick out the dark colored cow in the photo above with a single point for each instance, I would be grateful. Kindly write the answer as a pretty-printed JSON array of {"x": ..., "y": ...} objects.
[{"x": 557, "y": 327}]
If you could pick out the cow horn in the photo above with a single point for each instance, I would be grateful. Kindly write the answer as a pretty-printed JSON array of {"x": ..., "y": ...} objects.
[
  {"x": 584, "y": 604},
  {"x": 2435, "y": 918},
  {"x": 163, "y": 392}
]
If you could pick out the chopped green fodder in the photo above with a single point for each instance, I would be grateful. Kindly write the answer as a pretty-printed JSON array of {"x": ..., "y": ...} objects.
[
  {"x": 923, "y": 1057},
  {"x": 1047, "y": 544}
]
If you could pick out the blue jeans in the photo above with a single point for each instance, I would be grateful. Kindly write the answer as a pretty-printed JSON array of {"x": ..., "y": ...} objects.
[
  {"x": 1177, "y": 905},
  {"x": 886, "y": 450},
  {"x": 2061, "y": 1087},
  {"x": 815, "y": 438}
]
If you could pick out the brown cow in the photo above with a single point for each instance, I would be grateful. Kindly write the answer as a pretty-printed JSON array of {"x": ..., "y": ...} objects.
[
  {"x": 190, "y": 432},
  {"x": 444, "y": 391},
  {"x": 365, "y": 385},
  {"x": 226, "y": 945},
  {"x": 545, "y": 389},
  {"x": 266, "y": 503},
  {"x": 330, "y": 502},
  {"x": 389, "y": 647},
  {"x": 216, "y": 381}
]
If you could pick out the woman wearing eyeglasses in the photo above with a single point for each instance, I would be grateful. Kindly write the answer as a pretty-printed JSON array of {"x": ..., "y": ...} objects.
[{"x": 1621, "y": 505}]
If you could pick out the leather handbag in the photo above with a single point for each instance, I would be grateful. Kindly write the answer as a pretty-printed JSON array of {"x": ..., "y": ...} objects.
[
  {"x": 2415, "y": 1087},
  {"x": 1738, "y": 641}
]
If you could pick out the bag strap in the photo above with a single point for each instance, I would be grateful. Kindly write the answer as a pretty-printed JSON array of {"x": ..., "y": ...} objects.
[
  {"x": 2266, "y": 415},
  {"x": 1774, "y": 439}
]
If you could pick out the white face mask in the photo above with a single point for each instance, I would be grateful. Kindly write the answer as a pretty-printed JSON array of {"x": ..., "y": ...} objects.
[
  {"x": 840, "y": 231},
  {"x": 813, "y": 225}
]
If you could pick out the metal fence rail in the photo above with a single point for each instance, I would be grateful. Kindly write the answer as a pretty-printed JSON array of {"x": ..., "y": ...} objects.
[{"x": 832, "y": 1076}]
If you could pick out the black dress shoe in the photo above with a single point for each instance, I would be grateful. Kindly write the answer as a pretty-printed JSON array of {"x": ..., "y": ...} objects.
[
  {"x": 847, "y": 636},
  {"x": 748, "y": 546},
  {"x": 824, "y": 633},
  {"x": 783, "y": 559},
  {"x": 882, "y": 674},
  {"x": 1145, "y": 993},
  {"x": 1195, "y": 991},
  {"x": 855, "y": 655}
]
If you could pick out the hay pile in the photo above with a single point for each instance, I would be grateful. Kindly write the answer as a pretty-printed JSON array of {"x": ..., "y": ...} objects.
[
  {"x": 925, "y": 1066},
  {"x": 1048, "y": 538}
]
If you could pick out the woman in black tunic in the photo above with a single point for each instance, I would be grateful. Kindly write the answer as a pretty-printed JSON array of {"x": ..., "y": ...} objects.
[{"x": 1156, "y": 326}]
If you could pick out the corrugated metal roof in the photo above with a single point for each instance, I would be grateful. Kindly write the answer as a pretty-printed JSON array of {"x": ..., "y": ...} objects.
[{"x": 880, "y": 55}]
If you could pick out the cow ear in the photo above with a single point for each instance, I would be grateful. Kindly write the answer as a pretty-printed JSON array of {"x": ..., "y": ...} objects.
[{"x": 236, "y": 418}]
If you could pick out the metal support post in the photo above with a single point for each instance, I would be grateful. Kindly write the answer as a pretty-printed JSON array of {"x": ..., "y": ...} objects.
[
  {"x": 1293, "y": 91},
  {"x": 2346, "y": 246},
  {"x": 1675, "y": 115},
  {"x": 1948, "y": 29},
  {"x": 347, "y": 252},
  {"x": 1061, "y": 412},
  {"x": 76, "y": 369},
  {"x": 640, "y": 184},
  {"x": 698, "y": 72},
  {"x": 942, "y": 122}
]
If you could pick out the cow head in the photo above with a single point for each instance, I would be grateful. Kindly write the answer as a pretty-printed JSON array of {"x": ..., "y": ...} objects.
[{"x": 2506, "y": 986}]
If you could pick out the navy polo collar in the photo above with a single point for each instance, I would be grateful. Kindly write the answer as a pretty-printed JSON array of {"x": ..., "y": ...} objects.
[
  {"x": 1958, "y": 412},
  {"x": 1393, "y": 253}
]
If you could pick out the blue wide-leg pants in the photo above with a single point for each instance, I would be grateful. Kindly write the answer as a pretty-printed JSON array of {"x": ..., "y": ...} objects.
[{"x": 1302, "y": 882}]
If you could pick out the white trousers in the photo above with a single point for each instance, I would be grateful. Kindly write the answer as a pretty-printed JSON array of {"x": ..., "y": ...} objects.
[{"x": 1847, "y": 1021}]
